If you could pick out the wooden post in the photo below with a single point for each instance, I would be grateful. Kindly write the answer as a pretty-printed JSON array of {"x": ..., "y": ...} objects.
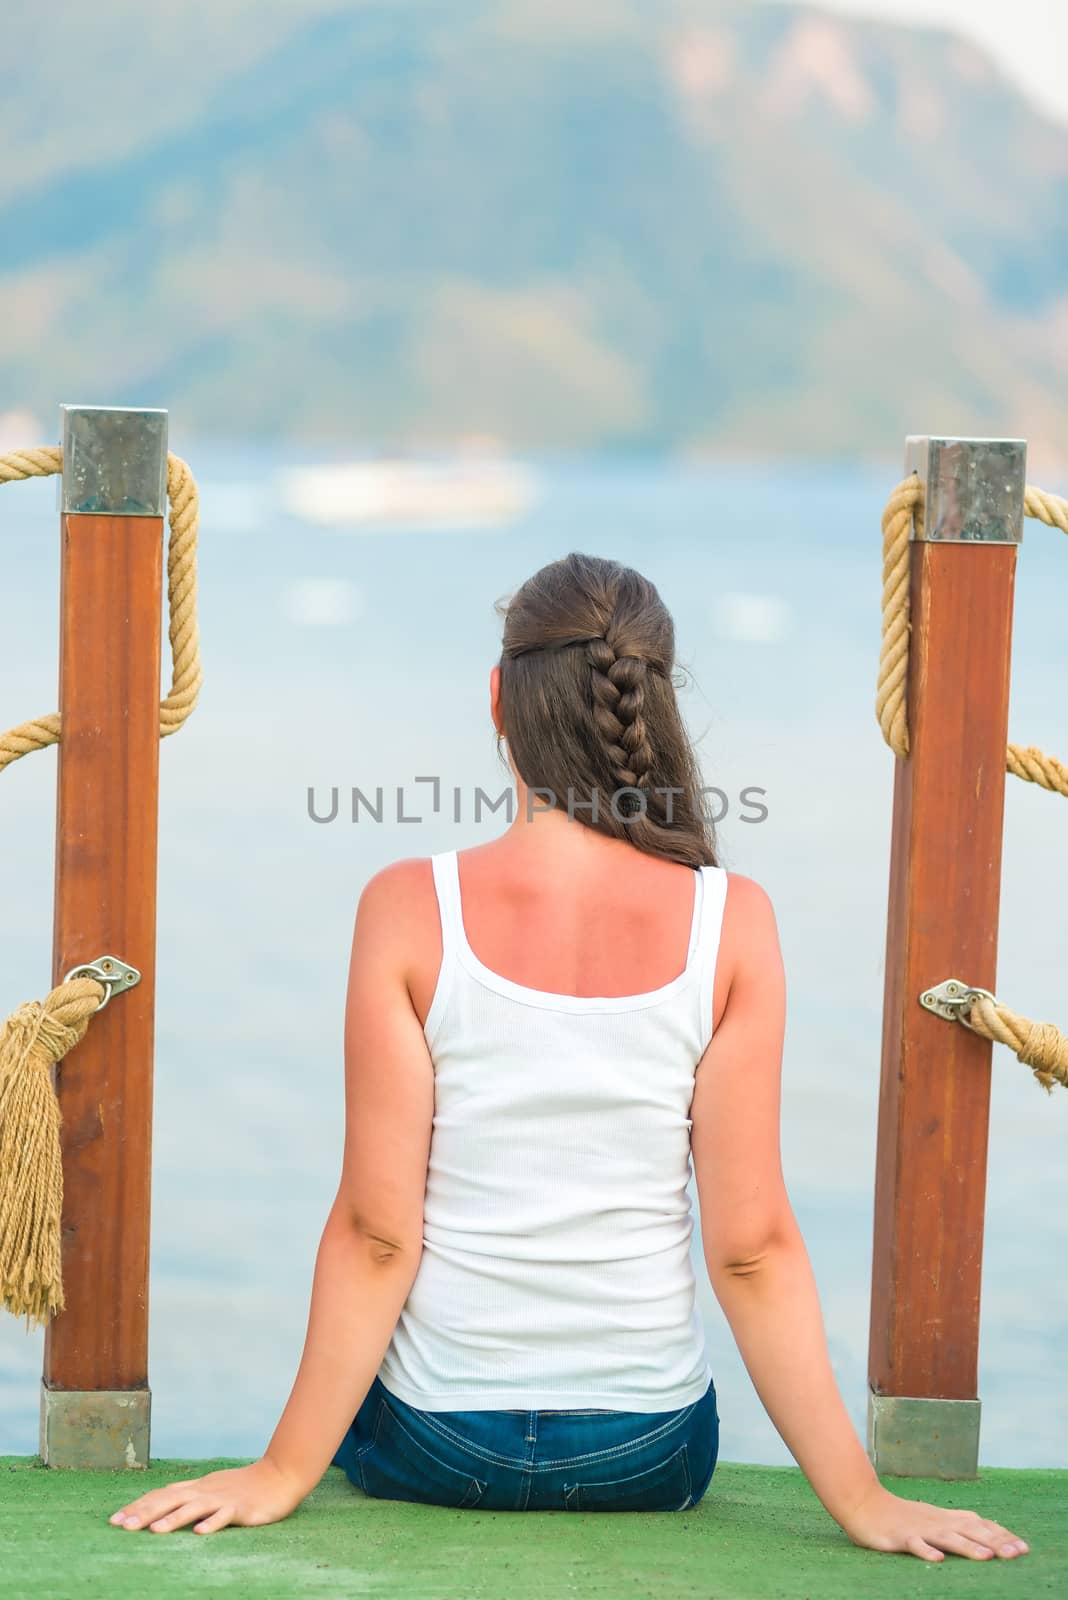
[
  {"x": 945, "y": 871},
  {"x": 95, "y": 1398}
]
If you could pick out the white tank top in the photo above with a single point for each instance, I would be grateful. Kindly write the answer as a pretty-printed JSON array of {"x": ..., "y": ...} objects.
[{"x": 556, "y": 1269}]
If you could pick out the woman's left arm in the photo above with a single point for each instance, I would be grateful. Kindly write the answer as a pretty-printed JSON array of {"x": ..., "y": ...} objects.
[
  {"x": 371, "y": 1244},
  {"x": 373, "y": 1237}
]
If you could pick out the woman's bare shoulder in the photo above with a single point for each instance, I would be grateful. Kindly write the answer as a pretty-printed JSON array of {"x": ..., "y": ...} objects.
[
  {"x": 749, "y": 937},
  {"x": 748, "y": 903},
  {"x": 400, "y": 877},
  {"x": 396, "y": 897}
]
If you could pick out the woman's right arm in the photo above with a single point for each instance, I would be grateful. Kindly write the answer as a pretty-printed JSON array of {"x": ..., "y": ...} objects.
[{"x": 758, "y": 1264}]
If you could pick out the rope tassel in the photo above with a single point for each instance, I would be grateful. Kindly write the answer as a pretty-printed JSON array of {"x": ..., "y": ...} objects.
[{"x": 33, "y": 1039}]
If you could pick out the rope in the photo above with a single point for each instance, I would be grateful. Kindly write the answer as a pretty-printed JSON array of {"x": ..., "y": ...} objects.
[
  {"x": 186, "y": 676},
  {"x": 904, "y": 507},
  {"x": 32, "y": 1040},
  {"x": 1039, "y": 1045}
]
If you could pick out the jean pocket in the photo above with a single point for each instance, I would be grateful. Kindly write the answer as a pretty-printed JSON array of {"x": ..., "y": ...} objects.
[
  {"x": 398, "y": 1466},
  {"x": 665, "y": 1487},
  {"x": 591, "y": 1411}
]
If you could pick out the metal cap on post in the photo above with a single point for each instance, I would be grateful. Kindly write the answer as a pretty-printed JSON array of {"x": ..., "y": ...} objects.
[
  {"x": 945, "y": 868},
  {"x": 95, "y": 1396},
  {"x": 114, "y": 461},
  {"x": 973, "y": 488}
]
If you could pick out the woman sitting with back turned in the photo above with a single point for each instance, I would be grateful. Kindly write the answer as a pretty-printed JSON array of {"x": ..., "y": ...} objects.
[{"x": 538, "y": 1037}]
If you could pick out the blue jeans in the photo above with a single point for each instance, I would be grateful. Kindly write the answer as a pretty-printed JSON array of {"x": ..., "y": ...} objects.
[{"x": 591, "y": 1460}]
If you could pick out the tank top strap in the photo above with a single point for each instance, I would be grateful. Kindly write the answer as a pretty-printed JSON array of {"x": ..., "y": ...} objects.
[
  {"x": 447, "y": 888},
  {"x": 700, "y": 893},
  {"x": 447, "y": 885},
  {"x": 706, "y": 947}
]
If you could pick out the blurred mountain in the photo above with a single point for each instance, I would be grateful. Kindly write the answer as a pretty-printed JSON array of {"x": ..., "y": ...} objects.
[{"x": 699, "y": 224}]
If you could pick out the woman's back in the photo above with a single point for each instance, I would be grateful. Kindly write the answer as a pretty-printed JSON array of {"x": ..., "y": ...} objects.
[
  {"x": 567, "y": 911},
  {"x": 571, "y": 1003}
]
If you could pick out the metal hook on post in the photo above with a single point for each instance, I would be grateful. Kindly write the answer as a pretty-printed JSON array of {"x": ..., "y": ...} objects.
[
  {"x": 114, "y": 974},
  {"x": 952, "y": 998}
]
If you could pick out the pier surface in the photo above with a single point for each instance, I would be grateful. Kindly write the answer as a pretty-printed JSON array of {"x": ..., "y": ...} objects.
[{"x": 759, "y": 1534}]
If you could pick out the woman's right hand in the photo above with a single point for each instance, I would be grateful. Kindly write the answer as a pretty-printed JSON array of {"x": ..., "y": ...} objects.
[
  {"x": 243, "y": 1497},
  {"x": 885, "y": 1521}
]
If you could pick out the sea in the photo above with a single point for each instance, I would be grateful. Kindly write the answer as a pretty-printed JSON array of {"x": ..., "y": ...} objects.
[{"x": 358, "y": 657}]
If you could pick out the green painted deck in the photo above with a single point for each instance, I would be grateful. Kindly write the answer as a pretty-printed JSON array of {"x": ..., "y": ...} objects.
[{"x": 759, "y": 1534}]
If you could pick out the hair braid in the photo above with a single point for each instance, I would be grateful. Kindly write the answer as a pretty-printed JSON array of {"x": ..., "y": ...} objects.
[{"x": 618, "y": 684}]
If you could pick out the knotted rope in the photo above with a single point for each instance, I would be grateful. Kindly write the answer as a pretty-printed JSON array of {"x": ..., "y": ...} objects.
[
  {"x": 32, "y": 1040},
  {"x": 1039, "y": 1045},
  {"x": 186, "y": 676},
  {"x": 904, "y": 507}
]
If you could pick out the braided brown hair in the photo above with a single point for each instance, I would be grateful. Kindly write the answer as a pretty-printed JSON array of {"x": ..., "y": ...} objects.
[{"x": 589, "y": 711}]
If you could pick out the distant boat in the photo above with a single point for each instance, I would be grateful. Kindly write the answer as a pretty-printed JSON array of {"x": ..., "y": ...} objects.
[{"x": 409, "y": 494}]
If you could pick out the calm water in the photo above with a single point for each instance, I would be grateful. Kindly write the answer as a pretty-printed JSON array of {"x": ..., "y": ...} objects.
[{"x": 346, "y": 659}]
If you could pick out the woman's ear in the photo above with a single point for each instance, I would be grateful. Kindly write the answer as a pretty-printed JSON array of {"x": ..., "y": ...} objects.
[{"x": 495, "y": 699}]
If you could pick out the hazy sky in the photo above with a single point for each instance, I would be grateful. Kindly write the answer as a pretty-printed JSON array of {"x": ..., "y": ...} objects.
[{"x": 1029, "y": 38}]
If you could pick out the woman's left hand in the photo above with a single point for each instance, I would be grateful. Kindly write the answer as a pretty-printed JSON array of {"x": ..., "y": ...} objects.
[{"x": 245, "y": 1497}]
